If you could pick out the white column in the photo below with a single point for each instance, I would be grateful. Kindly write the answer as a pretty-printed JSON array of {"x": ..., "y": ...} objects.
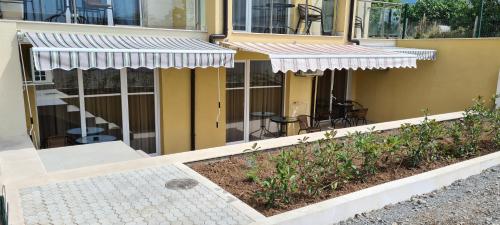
[
  {"x": 83, "y": 113},
  {"x": 124, "y": 98}
]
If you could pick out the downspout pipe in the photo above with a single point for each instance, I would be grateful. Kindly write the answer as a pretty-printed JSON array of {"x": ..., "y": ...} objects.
[
  {"x": 213, "y": 37},
  {"x": 351, "y": 23}
]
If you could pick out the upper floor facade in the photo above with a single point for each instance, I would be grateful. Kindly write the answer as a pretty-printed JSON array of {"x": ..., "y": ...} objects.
[{"x": 242, "y": 20}]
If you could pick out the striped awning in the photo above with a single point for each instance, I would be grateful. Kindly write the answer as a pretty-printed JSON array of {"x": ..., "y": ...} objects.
[
  {"x": 422, "y": 54},
  {"x": 310, "y": 57},
  {"x": 84, "y": 51}
]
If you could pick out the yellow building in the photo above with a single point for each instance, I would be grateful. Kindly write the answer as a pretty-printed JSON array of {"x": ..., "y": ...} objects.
[{"x": 147, "y": 75}]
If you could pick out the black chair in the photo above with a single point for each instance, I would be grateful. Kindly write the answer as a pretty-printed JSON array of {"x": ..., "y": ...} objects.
[
  {"x": 314, "y": 14},
  {"x": 358, "y": 23},
  {"x": 356, "y": 113},
  {"x": 95, "y": 12}
]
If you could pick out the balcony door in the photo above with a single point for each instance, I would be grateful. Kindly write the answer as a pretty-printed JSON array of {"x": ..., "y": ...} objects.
[
  {"x": 254, "y": 94},
  {"x": 329, "y": 87},
  {"x": 91, "y": 106}
]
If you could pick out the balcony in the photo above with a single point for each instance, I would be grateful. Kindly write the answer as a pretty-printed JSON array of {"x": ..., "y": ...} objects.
[
  {"x": 378, "y": 19},
  {"x": 168, "y": 14},
  {"x": 304, "y": 17}
]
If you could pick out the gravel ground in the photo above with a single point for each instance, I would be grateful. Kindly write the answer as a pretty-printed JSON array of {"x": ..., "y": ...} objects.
[{"x": 475, "y": 200}]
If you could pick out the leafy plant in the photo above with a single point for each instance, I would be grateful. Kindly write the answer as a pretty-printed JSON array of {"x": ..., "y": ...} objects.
[
  {"x": 367, "y": 146},
  {"x": 422, "y": 140},
  {"x": 283, "y": 183},
  {"x": 253, "y": 173}
]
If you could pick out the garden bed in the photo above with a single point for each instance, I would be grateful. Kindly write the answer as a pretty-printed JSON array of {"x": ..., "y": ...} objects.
[{"x": 279, "y": 180}]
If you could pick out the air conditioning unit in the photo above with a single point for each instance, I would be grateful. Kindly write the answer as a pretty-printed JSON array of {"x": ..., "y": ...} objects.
[{"x": 309, "y": 73}]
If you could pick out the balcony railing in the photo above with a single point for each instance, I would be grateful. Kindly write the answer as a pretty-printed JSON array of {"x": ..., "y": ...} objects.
[
  {"x": 314, "y": 17},
  {"x": 378, "y": 19},
  {"x": 170, "y": 14}
]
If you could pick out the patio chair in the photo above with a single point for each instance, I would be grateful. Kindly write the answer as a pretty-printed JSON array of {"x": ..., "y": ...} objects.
[
  {"x": 95, "y": 9},
  {"x": 358, "y": 23},
  {"x": 314, "y": 14},
  {"x": 304, "y": 124},
  {"x": 357, "y": 113}
]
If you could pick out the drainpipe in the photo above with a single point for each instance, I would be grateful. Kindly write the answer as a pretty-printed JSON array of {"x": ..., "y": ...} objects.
[
  {"x": 351, "y": 23},
  {"x": 213, "y": 37},
  {"x": 193, "y": 106}
]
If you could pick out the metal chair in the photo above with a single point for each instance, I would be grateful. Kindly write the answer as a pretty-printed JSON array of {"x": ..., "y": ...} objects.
[
  {"x": 358, "y": 23},
  {"x": 357, "y": 113},
  {"x": 304, "y": 124},
  {"x": 314, "y": 14}
]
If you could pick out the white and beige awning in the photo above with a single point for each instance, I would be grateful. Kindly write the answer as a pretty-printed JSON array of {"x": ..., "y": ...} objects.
[
  {"x": 422, "y": 54},
  {"x": 303, "y": 57},
  {"x": 85, "y": 51}
]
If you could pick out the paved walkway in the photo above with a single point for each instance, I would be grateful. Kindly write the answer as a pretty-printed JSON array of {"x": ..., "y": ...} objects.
[{"x": 157, "y": 195}]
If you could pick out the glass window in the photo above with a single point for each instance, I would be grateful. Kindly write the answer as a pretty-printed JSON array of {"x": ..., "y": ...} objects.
[
  {"x": 97, "y": 81},
  {"x": 58, "y": 109},
  {"x": 266, "y": 99},
  {"x": 239, "y": 14},
  {"x": 173, "y": 14},
  {"x": 126, "y": 12},
  {"x": 140, "y": 80},
  {"x": 141, "y": 107},
  {"x": 235, "y": 102}
]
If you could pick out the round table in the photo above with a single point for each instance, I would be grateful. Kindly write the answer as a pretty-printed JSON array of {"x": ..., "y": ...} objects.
[
  {"x": 262, "y": 116},
  {"x": 283, "y": 122},
  {"x": 95, "y": 139},
  {"x": 90, "y": 130}
]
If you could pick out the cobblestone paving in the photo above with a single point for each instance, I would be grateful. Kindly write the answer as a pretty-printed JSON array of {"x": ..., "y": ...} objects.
[{"x": 134, "y": 197}]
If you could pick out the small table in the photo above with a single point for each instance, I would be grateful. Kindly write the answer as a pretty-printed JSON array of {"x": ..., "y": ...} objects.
[
  {"x": 283, "y": 122},
  {"x": 345, "y": 107},
  {"x": 263, "y": 129},
  {"x": 95, "y": 139},
  {"x": 90, "y": 130}
]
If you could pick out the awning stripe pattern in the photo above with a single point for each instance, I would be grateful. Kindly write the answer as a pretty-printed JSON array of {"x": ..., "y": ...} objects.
[
  {"x": 85, "y": 51},
  {"x": 422, "y": 54},
  {"x": 303, "y": 57}
]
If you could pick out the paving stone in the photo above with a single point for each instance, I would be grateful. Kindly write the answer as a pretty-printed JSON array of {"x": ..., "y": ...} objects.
[{"x": 133, "y": 197}]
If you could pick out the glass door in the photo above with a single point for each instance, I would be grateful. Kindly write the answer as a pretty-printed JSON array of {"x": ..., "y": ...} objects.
[
  {"x": 103, "y": 105},
  {"x": 254, "y": 94},
  {"x": 58, "y": 107},
  {"x": 266, "y": 100},
  {"x": 142, "y": 110},
  {"x": 235, "y": 103}
]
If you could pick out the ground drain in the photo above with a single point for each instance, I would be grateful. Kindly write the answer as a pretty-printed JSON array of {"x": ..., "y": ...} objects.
[{"x": 181, "y": 184}]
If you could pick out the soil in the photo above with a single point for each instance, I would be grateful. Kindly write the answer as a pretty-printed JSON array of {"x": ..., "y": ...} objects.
[{"x": 230, "y": 174}]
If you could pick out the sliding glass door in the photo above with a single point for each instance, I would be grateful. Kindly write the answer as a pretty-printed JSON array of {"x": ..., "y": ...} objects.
[
  {"x": 254, "y": 94},
  {"x": 235, "y": 103},
  {"x": 84, "y": 107}
]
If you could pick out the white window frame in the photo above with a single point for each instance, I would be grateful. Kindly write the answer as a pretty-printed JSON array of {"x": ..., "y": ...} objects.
[
  {"x": 124, "y": 104},
  {"x": 248, "y": 16},
  {"x": 246, "y": 104}
]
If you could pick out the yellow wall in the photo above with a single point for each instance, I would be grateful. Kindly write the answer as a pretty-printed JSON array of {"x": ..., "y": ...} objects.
[
  {"x": 175, "y": 94},
  {"x": 464, "y": 69},
  {"x": 206, "y": 108},
  {"x": 298, "y": 97}
]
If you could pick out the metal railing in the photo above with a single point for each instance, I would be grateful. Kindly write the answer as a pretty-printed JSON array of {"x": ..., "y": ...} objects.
[{"x": 160, "y": 14}]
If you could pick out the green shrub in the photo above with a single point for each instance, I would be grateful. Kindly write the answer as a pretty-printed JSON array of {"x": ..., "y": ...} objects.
[
  {"x": 367, "y": 145},
  {"x": 421, "y": 141},
  {"x": 254, "y": 168},
  {"x": 283, "y": 183}
]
